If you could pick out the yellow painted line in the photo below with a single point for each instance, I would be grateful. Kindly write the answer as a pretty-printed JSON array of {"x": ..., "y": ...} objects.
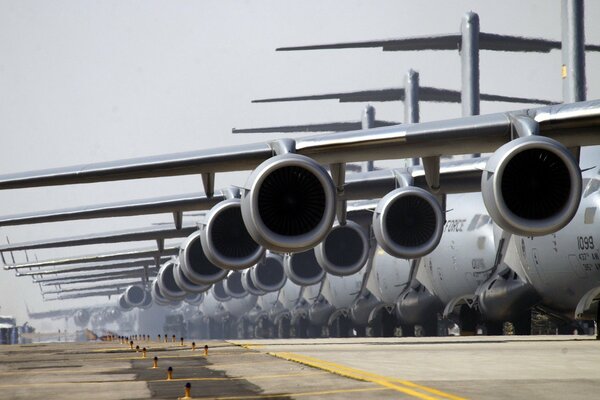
[
  {"x": 237, "y": 378},
  {"x": 300, "y": 394},
  {"x": 406, "y": 387}
]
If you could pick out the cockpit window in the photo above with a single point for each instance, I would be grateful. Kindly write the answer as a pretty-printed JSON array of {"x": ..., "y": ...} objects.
[{"x": 591, "y": 186}]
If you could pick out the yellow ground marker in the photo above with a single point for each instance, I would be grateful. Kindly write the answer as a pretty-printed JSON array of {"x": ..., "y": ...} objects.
[{"x": 406, "y": 387}]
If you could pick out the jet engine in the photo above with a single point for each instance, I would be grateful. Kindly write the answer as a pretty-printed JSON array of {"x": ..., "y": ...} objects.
[
  {"x": 194, "y": 298},
  {"x": 233, "y": 285},
  {"x": 194, "y": 263},
  {"x": 157, "y": 296},
  {"x": 147, "y": 301},
  {"x": 219, "y": 293},
  {"x": 408, "y": 222},
  {"x": 531, "y": 186},
  {"x": 249, "y": 285},
  {"x": 345, "y": 249},
  {"x": 135, "y": 296},
  {"x": 81, "y": 317},
  {"x": 268, "y": 275},
  {"x": 123, "y": 304},
  {"x": 289, "y": 203},
  {"x": 303, "y": 268},
  {"x": 184, "y": 283},
  {"x": 225, "y": 239},
  {"x": 167, "y": 284}
]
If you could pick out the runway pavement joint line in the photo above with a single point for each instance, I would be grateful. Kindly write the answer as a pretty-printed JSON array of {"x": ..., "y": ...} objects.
[
  {"x": 276, "y": 376},
  {"x": 299, "y": 394},
  {"x": 403, "y": 386}
]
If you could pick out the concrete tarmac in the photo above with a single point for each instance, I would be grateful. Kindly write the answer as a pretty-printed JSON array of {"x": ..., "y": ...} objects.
[{"x": 504, "y": 367}]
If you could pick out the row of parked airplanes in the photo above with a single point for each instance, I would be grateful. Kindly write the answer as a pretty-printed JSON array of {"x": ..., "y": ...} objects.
[{"x": 482, "y": 240}]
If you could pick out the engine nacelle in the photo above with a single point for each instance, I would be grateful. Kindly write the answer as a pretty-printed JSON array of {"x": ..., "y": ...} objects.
[
  {"x": 345, "y": 249},
  {"x": 123, "y": 304},
  {"x": 303, "y": 268},
  {"x": 408, "y": 222},
  {"x": 268, "y": 275},
  {"x": 233, "y": 285},
  {"x": 289, "y": 203},
  {"x": 219, "y": 293},
  {"x": 135, "y": 295},
  {"x": 194, "y": 298},
  {"x": 81, "y": 317},
  {"x": 531, "y": 186},
  {"x": 157, "y": 296},
  {"x": 225, "y": 239},
  {"x": 194, "y": 263},
  {"x": 167, "y": 284},
  {"x": 249, "y": 284},
  {"x": 184, "y": 283},
  {"x": 147, "y": 301}
]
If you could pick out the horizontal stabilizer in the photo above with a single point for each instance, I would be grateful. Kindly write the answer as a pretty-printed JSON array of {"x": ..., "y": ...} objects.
[
  {"x": 487, "y": 41},
  {"x": 324, "y": 127},
  {"x": 397, "y": 94}
]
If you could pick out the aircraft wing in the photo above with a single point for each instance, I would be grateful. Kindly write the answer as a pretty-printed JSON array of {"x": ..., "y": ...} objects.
[
  {"x": 100, "y": 293},
  {"x": 487, "y": 41},
  {"x": 397, "y": 94},
  {"x": 94, "y": 267},
  {"x": 324, "y": 127},
  {"x": 129, "y": 235},
  {"x": 456, "y": 176},
  {"x": 119, "y": 255},
  {"x": 574, "y": 124},
  {"x": 88, "y": 278}
]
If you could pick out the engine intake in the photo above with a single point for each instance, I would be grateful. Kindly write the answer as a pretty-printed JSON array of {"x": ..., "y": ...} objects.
[
  {"x": 135, "y": 296},
  {"x": 194, "y": 298},
  {"x": 157, "y": 296},
  {"x": 184, "y": 283},
  {"x": 123, "y": 304},
  {"x": 195, "y": 265},
  {"x": 531, "y": 186},
  {"x": 225, "y": 239},
  {"x": 289, "y": 203},
  {"x": 249, "y": 285},
  {"x": 303, "y": 268},
  {"x": 408, "y": 222},
  {"x": 268, "y": 275},
  {"x": 219, "y": 293},
  {"x": 167, "y": 284},
  {"x": 345, "y": 249},
  {"x": 233, "y": 285}
]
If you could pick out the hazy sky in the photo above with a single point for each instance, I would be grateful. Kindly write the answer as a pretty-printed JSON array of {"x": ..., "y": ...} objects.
[{"x": 90, "y": 81}]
